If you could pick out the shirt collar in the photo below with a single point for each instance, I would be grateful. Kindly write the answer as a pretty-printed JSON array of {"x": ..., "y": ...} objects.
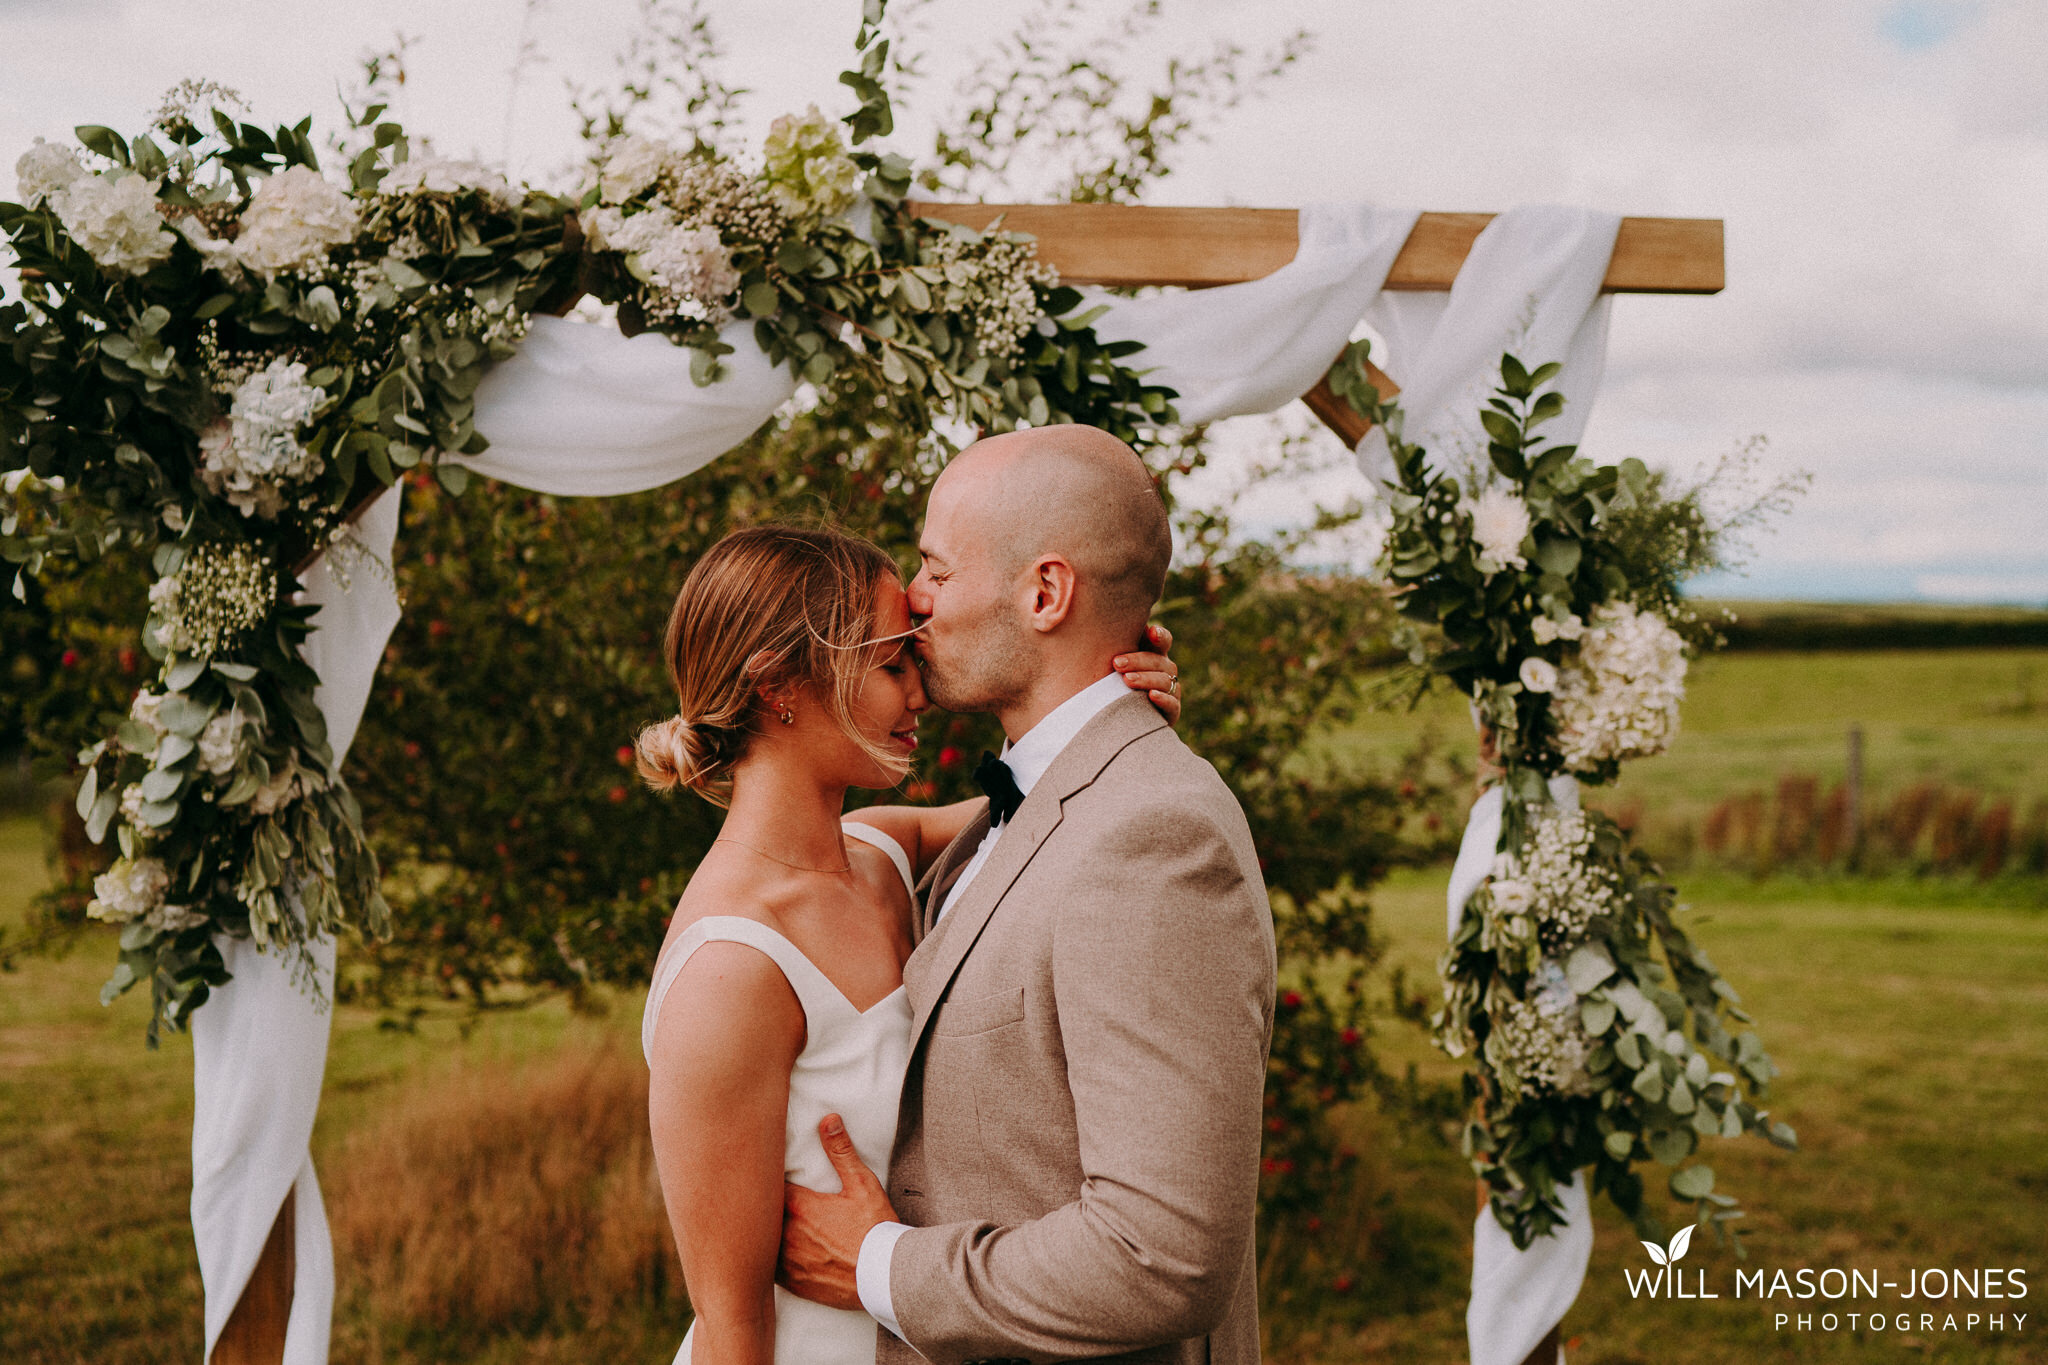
[{"x": 1030, "y": 756}]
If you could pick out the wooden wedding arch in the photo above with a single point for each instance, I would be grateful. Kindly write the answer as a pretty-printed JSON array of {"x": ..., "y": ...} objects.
[{"x": 1132, "y": 245}]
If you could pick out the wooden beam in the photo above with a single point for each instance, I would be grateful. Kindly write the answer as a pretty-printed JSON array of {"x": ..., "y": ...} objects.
[
  {"x": 1339, "y": 416},
  {"x": 1128, "y": 244}
]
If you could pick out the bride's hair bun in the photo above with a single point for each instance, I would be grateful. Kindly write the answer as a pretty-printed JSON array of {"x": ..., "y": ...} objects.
[{"x": 674, "y": 753}]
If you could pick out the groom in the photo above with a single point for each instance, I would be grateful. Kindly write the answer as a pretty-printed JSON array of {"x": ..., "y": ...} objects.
[{"x": 1076, "y": 1163}]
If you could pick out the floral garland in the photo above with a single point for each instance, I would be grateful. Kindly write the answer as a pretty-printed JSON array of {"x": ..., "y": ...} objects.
[
  {"x": 1601, "y": 1035},
  {"x": 221, "y": 353},
  {"x": 218, "y": 353}
]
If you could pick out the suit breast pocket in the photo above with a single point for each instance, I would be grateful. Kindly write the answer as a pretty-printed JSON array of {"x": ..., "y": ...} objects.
[{"x": 982, "y": 1014}]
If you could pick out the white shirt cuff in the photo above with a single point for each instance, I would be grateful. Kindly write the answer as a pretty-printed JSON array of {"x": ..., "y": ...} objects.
[{"x": 871, "y": 1273}]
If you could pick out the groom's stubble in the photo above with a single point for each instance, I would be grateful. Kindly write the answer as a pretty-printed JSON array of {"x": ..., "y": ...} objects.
[{"x": 981, "y": 663}]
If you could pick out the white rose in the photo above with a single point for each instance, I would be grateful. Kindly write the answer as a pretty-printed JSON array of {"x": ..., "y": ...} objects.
[
  {"x": 1500, "y": 522},
  {"x": 1511, "y": 897},
  {"x": 1538, "y": 675},
  {"x": 631, "y": 164},
  {"x": 116, "y": 219},
  {"x": 128, "y": 890},
  {"x": 44, "y": 169},
  {"x": 292, "y": 220}
]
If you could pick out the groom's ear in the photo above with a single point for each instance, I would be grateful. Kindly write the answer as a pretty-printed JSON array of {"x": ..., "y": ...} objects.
[{"x": 1052, "y": 585}]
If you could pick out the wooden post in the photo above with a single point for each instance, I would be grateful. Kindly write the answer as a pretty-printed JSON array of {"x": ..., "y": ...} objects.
[{"x": 254, "y": 1334}]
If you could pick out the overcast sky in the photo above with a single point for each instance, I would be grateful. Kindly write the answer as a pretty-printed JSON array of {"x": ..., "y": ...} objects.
[{"x": 1882, "y": 166}]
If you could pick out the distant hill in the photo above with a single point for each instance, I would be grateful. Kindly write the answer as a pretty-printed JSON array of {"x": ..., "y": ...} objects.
[{"x": 1864, "y": 625}]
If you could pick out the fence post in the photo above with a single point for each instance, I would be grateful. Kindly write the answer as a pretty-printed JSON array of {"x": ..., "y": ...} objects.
[{"x": 1853, "y": 785}]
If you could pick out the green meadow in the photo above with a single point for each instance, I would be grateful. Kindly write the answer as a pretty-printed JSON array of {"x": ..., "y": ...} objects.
[
  {"x": 1975, "y": 719},
  {"x": 1909, "y": 1015}
]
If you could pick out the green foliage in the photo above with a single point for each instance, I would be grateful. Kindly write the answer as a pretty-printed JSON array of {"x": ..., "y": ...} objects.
[{"x": 1555, "y": 976}]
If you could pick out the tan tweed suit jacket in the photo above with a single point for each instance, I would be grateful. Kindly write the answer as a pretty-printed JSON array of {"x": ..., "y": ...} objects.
[{"x": 1078, "y": 1152}]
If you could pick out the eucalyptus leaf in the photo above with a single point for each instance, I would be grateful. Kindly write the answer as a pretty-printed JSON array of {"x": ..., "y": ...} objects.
[
  {"x": 101, "y": 815},
  {"x": 1692, "y": 1182},
  {"x": 185, "y": 670},
  {"x": 183, "y": 714},
  {"x": 161, "y": 784},
  {"x": 157, "y": 814}
]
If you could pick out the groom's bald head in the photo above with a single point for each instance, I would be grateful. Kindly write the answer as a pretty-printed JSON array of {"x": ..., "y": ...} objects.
[{"x": 1072, "y": 491}]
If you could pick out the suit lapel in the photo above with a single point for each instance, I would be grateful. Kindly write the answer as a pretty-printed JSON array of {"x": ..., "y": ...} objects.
[
  {"x": 948, "y": 939},
  {"x": 931, "y": 892}
]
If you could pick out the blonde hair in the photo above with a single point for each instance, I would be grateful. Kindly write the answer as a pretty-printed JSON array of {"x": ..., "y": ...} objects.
[{"x": 770, "y": 606}]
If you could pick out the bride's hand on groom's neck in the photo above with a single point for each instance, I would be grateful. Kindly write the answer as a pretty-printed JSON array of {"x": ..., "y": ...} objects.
[{"x": 1150, "y": 671}]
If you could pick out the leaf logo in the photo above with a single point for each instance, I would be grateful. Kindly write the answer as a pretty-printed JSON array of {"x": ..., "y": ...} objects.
[{"x": 1676, "y": 1252}]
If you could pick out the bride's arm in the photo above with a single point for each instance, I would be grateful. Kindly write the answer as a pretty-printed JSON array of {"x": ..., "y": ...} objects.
[{"x": 718, "y": 1099}]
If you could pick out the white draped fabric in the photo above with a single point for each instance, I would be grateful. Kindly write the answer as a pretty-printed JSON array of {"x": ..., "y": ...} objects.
[
  {"x": 259, "y": 1045},
  {"x": 1530, "y": 287},
  {"x": 1517, "y": 1296},
  {"x": 583, "y": 411}
]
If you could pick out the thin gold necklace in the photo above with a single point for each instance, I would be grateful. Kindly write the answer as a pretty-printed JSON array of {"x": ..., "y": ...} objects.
[{"x": 795, "y": 867}]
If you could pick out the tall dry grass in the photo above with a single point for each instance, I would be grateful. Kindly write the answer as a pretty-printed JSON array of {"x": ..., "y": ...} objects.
[
  {"x": 1926, "y": 828},
  {"x": 507, "y": 1197}
]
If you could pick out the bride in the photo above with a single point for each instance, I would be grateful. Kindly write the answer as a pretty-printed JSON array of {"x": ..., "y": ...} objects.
[{"x": 778, "y": 996}]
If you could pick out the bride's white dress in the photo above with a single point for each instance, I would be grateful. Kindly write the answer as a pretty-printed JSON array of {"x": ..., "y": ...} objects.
[{"x": 852, "y": 1065}]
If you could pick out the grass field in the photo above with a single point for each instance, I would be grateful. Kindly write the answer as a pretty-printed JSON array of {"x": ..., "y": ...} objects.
[
  {"x": 1911, "y": 1020},
  {"x": 1971, "y": 718}
]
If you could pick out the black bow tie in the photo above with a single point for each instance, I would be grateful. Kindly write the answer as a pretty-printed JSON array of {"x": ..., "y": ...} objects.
[{"x": 993, "y": 776}]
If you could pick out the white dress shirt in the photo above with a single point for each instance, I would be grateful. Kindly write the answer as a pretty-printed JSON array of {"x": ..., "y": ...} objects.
[{"x": 1028, "y": 758}]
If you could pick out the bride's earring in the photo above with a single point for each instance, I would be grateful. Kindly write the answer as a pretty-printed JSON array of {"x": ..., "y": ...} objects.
[{"x": 786, "y": 716}]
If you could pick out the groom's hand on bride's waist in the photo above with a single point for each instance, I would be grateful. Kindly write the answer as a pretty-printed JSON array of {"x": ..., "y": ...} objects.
[{"x": 822, "y": 1233}]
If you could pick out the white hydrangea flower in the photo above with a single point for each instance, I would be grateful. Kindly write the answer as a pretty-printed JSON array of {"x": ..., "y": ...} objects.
[
  {"x": 220, "y": 743},
  {"x": 1538, "y": 675},
  {"x": 116, "y": 219},
  {"x": 807, "y": 167},
  {"x": 130, "y": 889},
  {"x": 1621, "y": 699},
  {"x": 292, "y": 220},
  {"x": 1500, "y": 522},
  {"x": 687, "y": 270},
  {"x": 250, "y": 457},
  {"x": 631, "y": 163},
  {"x": 1546, "y": 630},
  {"x": 43, "y": 170},
  {"x": 131, "y": 804},
  {"x": 441, "y": 175}
]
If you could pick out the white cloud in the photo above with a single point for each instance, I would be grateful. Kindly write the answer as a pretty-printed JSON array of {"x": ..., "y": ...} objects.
[{"x": 1883, "y": 168}]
